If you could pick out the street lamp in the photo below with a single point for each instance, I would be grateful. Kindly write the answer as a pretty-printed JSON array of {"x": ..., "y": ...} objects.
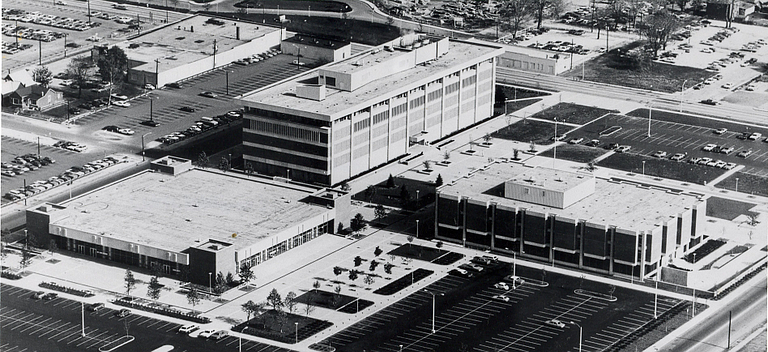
[
  {"x": 650, "y": 109},
  {"x": 433, "y": 307},
  {"x": 209, "y": 282},
  {"x": 297, "y": 332},
  {"x": 580, "y": 333},
  {"x": 682, "y": 94},
  {"x": 240, "y": 339},
  {"x": 643, "y": 167},
  {"x": 737, "y": 184},
  {"x": 142, "y": 145},
  {"x": 401, "y": 348},
  {"x": 417, "y": 228}
]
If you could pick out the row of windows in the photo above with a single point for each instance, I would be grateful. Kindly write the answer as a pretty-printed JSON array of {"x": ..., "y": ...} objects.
[
  {"x": 379, "y": 143},
  {"x": 363, "y": 124},
  {"x": 286, "y": 131},
  {"x": 451, "y": 101},
  {"x": 380, "y": 130},
  {"x": 469, "y": 81},
  {"x": 453, "y": 87},
  {"x": 381, "y": 117},
  {"x": 341, "y": 159},
  {"x": 434, "y": 108},
  {"x": 450, "y": 114},
  {"x": 468, "y": 94},
  {"x": 340, "y": 147},
  {"x": 485, "y": 74},
  {"x": 345, "y": 118},
  {"x": 400, "y": 109},
  {"x": 397, "y": 123},
  {"x": 435, "y": 82},
  {"x": 398, "y": 136},
  {"x": 360, "y": 152},
  {"x": 415, "y": 103},
  {"x": 435, "y": 95},
  {"x": 468, "y": 107},
  {"x": 361, "y": 138},
  {"x": 433, "y": 121},
  {"x": 290, "y": 118},
  {"x": 341, "y": 133}
]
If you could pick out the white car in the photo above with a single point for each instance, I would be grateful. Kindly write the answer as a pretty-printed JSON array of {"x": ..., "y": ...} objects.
[
  {"x": 709, "y": 147},
  {"x": 750, "y": 87},
  {"x": 206, "y": 333},
  {"x": 659, "y": 154},
  {"x": 729, "y": 166},
  {"x": 124, "y": 104},
  {"x": 218, "y": 335},
  {"x": 501, "y": 285},
  {"x": 149, "y": 86},
  {"x": 623, "y": 149},
  {"x": 119, "y": 96},
  {"x": 126, "y": 131},
  {"x": 720, "y": 130},
  {"x": 60, "y": 2},
  {"x": 186, "y": 329},
  {"x": 501, "y": 298},
  {"x": 555, "y": 322},
  {"x": 678, "y": 157},
  {"x": 727, "y": 86},
  {"x": 576, "y": 140}
]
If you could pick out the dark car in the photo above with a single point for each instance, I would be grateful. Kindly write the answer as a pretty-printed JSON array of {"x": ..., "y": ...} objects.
[
  {"x": 187, "y": 109},
  {"x": 710, "y": 102},
  {"x": 208, "y": 94},
  {"x": 460, "y": 272},
  {"x": 150, "y": 123},
  {"x": 111, "y": 128},
  {"x": 74, "y": 111},
  {"x": 50, "y": 296},
  {"x": 95, "y": 306},
  {"x": 123, "y": 313},
  {"x": 38, "y": 295},
  {"x": 176, "y": 85}
]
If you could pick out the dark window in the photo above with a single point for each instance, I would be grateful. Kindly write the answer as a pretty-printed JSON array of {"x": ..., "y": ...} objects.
[{"x": 331, "y": 81}]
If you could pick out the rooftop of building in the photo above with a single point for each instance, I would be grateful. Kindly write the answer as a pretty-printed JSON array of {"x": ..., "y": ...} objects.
[
  {"x": 556, "y": 180},
  {"x": 178, "y": 44},
  {"x": 173, "y": 212},
  {"x": 625, "y": 206},
  {"x": 338, "y": 103},
  {"x": 316, "y": 41}
]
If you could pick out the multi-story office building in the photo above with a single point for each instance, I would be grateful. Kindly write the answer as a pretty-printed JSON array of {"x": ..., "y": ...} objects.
[
  {"x": 569, "y": 218},
  {"x": 345, "y": 118}
]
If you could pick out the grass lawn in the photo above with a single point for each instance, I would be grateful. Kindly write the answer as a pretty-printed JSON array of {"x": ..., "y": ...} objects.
[
  {"x": 332, "y": 28},
  {"x": 330, "y": 6},
  {"x": 504, "y": 92},
  {"x": 572, "y": 113},
  {"x": 575, "y": 152},
  {"x": 669, "y": 116},
  {"x": 727, "y": 209},
  {"x": 403, "y": 282},
  {"x": 512, "y": 106},
  {"x": 418, "y": 252},
  {"x": 381, "y": 194},
  {"x": 538, "y": 132},
  {"x": 748, "y": 183},
  {"x": 331, "y": 300},
  {"x": 282, "y": 327},
  {"x": 662, "y": 168},
  {"x": 607, "y": 68}
]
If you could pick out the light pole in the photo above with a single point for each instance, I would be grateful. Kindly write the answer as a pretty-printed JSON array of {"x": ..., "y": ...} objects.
[
  {"x": 151, "y": 107},
  {"x": 580, "y": 333},
  {"x": 401, "y": 348},
  {"x": 554, "y": 150},
  {"x": 82, "y": 318},
  {"x": 643, "y": 167},
  {"x": 297, "y": 332},
  {"x": 433, "y": 307},
  {"x": 682, "y": 94},
  {"x": 650, "y": 109},
  {"x": 226, "y": 72},
  {"x": 417, "y": 228},
  {"x": 240, "y": 339},
  {"x": 737, "y": 184},
  {"x": 142, "y": 145},
  {"x": 209, "y": 282}
]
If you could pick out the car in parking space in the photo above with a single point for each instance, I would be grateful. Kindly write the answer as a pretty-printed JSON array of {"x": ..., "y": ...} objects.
[
  {"x": 754, "y": 136},
  {"x": 727, "y": 150},
  {"x": 727, "y": 86},
  {"x": 501, "y": 285},
  {"x": 576, "y": 140},
  {"x": 150, "y": 123},
  {"x": 126, "y": 131},
  {"x": 678, "y": 156},
  {"x": 460, "y": 272},
  {"x": 694, "y": 160},
  {"x": 750, "y": 87},
  {"x": 623, "y": 149},
  {"x": 38, "y": 295},
  {"x": 720, "y": 130},
  {"x": 206, "y": 333},
  {"x": 558, "y": 137},
  {"x": 516, "y": 280},
  {"x": 501, "y": 298},
  {"x": 744, "y": 153},
  {"x": 149, "y": 86},
  {"x": 555, "y": 322},
  {"x": 471, "y": 267},
  {"x": 186, "y": 329},
  {"x": 111, "y": 128},
  {"x": 704, "y": 161},
  {"x": 729, "y": 166},
  {"x": 119, "y": 96},
  {"x": 50, "y": 296},
  {"x": 176, "y": 85},
  {"x": 218, "y": 335},
  {"x": 720, "y": 164},
  {"x": 593, "y": 143},
  {"x": 709, "y": 147},
  {"x": 95, "y": 306},
  {"x": 123, "y": 104},
  {"x": 208, "y": 94},
  {"x": 710, "y": 102},
  {"x": 659, "y": 154},
  {"x": 712, "y": 162},
  {"x": 187, "y": 109}
]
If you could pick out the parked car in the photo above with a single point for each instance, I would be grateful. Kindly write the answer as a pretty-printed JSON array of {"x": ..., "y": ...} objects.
[
  {"x": 126, "y": 131},
  {"x": 514, "y": 279},
  {"x": 50, "y": 296},
  {"x": 710, "y": 102},
  {"x": 623, "y": 149},
  {"x": 501, "y": 298},
  {"x": 150, "y": 123},
  {"x": 501, "y": 285},
  {"x": 593, "y": 143},
  {"x": 208, "y": 94},
  {"x": 95, "y": 306},
  {"x": 176, "y": 85},
  {"x": 678, "y": 157},
  {"x": 206, "y": 333},
  {"x": 744, "y": 153},
  {"x": 38, "y": 295},
  {"x": 186, "y": 329},
  {"x": 218, "y": 335},
  {"x": 728, "y": 85},
  {"x": 659, "y": 154},
  {"x": 123, "y": 104},
  {"x": 576, "y": 140},
  {"x": 709, "y": 147},
  {"x": 555, "y": 322},
  {"x": 720, "y": 130},
  {"x": 754, "y": 136},
  {"x": 729, "y": 166},
  {"x": 727, "y": 150},
  {"x": 122, "y": 313},
  {"x": 460, "y": 272},
  {"x": 149, "y": 86},
  {"x": 187, "y": 109}
]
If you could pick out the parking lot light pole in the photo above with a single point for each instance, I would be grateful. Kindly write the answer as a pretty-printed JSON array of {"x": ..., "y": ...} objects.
[
  {"x": 682, "y": 94},
  {"x": 433, "y": 307},
  {"x": 227, "y": 75},
  {"x": 82, "y": 319},
  {"x": 142, "y": 145},
  {"x": 656, "y": 300},
  {"x": 209, "y": 282},
  {"x": 297, "y": 332},
  {"x": 643, "y": 167},
  {"x": 401, "y": 348},
  {"x": 580, "y": 333},
  {"x": 737, "y": 184},
  {"x": 650, "y": 109},
  {"x": 417, "y": 228}
]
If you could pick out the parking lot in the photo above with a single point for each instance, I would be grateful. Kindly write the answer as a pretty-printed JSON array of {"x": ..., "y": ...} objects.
[
  {"x": 54, "y": 325},
  {"x": 16, "y": 147},
  {"x": 470, "y": 313}
]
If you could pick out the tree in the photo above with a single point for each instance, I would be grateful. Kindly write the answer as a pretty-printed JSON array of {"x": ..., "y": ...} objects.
[
  {"x": 230, "y": 279},
  {"x": 446, "y": 155},
  {"x": 336, "y": 293},
  {"x": 357, "y": 223},
  {"x": 390, "y": 182},
  {"x": 439, "y": 244},
  {"x": 246, "y": 274},
  {"x": 487, "y": 138},
  {"x": 42, "y": 75},
  {"x": 224, "y": 164},
  {"x": 405, "y": 195},
  {"x": 275, "y": 300},
  {"x": 358, "y": 260},
  {"x": 337, "y": 270},
  {"x": 308, "y": 308},
  {"x": 553, "y": 8},
  {"x": 377, "y": 252},
  {"x": 52, "y": 246},
  {"x": 370, "y": 191},
  {"x": 516, "y": 12},
  {"x": 193, "y": 297},
  {"x": 154, "y": 288},
  {"x": 380, "y": 212},
  {"x": 251, "y": 307},
  {"x": 221, "y": 283},
  {"x": 203, "y": 160},
  {"x": 290, "y": 301},
  {"x": 249, "y": 169},
  {"x": 439, "y": 180},
  {"x": 752, "y": 219},
  {"x": 80, "y": 69},
  {"x": 130, "y": 282},
  {"x": 353, "y": 275},
  {"x": 410, "y": 240},
  {"x": 369, "y": 280},
  {"x": 427, "y": 165},
  {"x": 532, "y": 147},
  {"x": 373, "y": 265},
  {"x": 316, "y": 285},
  {"x": 26, "y": 258},
  {"x": 345, "y": 186},
  {"x": 113, "y": 66},
  {"x": 340, "y": 229},
  {"x": 657, "y": 29},
  {"x": 388, "y": 268},
  {"x": 516, "y": 154}
]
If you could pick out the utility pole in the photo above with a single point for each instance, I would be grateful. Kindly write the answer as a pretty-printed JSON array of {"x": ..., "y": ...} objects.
[
  {"x": 40, "y": 49},
  {"x": 729, "y": 329},
  {"x": 89, "y": 11},
  {"x": 65, "y": 44},
  {"x": 214, "y": 53}
]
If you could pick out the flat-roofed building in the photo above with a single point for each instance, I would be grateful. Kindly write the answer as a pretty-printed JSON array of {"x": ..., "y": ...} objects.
[
  {"x": 569, "y": 218},
  {"x": 343, "y": 119},
  {"x": 185, "y": 220}
]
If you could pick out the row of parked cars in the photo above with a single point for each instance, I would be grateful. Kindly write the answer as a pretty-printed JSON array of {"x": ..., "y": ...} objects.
[
  {"x": 202, "y": 125},
  {"x": 194, "y": 330},
  {"x": 561, "y": 46},
  {"x": 75, "y": 147},
  {"x": 257, "y": 57},
  {"x": 25, "y": 163},
  {"x": 10, "y": 14},
  {"x": 68, "y": 175}
]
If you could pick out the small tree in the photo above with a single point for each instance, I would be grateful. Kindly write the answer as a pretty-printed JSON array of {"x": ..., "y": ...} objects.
[
  {"x": 340, "y": 229},
  {"x": 154, "y": 288},
  {"x": 410, "y": 240},
  {"x": 447, "y": 155},
  {"x": 532, "y": 147},
  {"x": 380, "y": 212},
  {"x": 358, "y": 260},
  {"x": 230, "y": 279},
  {"x": 427, "y": 165},
  {"x": 370, "y": 191},
  {"x": 369, "y": 280},
  {"x": 388, "y": 268},
  {"x": 249, "y": 169},
  {"x": 516, "y": 154},
  {"x": 251, "y": 307},
  {"x": 246, "y": 274},
  {"x": 336, "y": 293},
  {"x": 405, "y": 195},
  {"x": 439, "y": 244},
  {"x": 353, "y": 275},
  {"x": 439, "y": 180},
  {"x": 290, "y": 301},
  {"x": 308, "y": 309},
  {"x": 752, "y": 219},
  {"x": 345, "y": 186},
  {"x": 42, "y": 75},
  {"x": 316, "y": 285},
  {"x": 390, "y": 181},
  {"x": 224, "y": 164},
  {"x": 52, "y": 246},
  {"x": 203, "y": 160},
  {"x": 377, "y": 252},
  {"x": 80, "y": 69},
  {"x": 193, "y": 297},
  {"x": 275, "y": 300},
  {"x": 373, "y": 265},
  {"x": 26, "y": 258},
  {"x": 130, "y": 282},
  {"x": 357, "y": 223},
  {"x": 487, "y": 138},
  {"x": 337, "y": 270}
]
